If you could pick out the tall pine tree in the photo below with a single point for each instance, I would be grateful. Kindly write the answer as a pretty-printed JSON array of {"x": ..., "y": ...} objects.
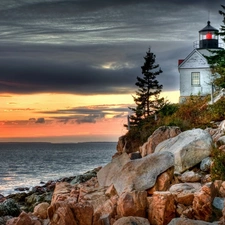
[
  {"x": 217, "y": 60},
  {"x": 147, "y": 96}
]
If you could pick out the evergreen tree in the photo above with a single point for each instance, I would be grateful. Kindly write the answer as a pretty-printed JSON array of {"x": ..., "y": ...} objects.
[
  {"x": 217, "y": 60},
  {"x": 147, "y": 96}
]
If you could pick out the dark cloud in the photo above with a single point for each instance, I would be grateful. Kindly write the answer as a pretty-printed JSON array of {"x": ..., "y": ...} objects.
[
  {"x": 32, "y": 76},
  {"x": 40, "y": 120},
  {"x": 75, "y": 46},
  {"x": 87, "y": 114}
]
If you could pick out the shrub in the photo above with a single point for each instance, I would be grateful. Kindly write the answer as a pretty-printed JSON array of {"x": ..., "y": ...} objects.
[
  {"x": 217, "y": 110},
  {"x": 195, "y": 112},
  {"x": 218, "y": 165}
]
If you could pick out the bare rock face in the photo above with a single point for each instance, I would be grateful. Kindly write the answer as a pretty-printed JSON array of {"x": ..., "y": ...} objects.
[
  {"x": 202, "y": 203},
  {"x": 106, "y": 212},
  {"x": 222, "y": 188},
  {"x": 108, "y": 173},
  {"x": 163, "y": 181},
  {"x": 61, "y": 192},
  {"x": 121, "y": 144},
  {"x": 132, "y": 204},
  {"x": 130, "y": 220},
  {"x": 222, "y": 219},
  {"x": 221, "y": 141},
  {"x": 24, "y": 219},
  {"x": 139, "y": 174},
  {"x": 159, "y": 135},
  {"x": 184, "y": 195},
  {"x": 189, "y": 148},
  {"x": 65, "y": 208},
  {"x": 40, "y": 210},
  {"x": 95, "y": 196},
  {"x": 161, "y": 209},
  {"x": 69, "y": 213},
  {"x": 222, "y": 126},
  {"x": 217, "y": 133},
  {"x": 186, "y": 221},
  {"x": 126, "y": 145},
  {"x": 61, "y": 213},
  {"x": 190, "y": 176},
  {"x": 206, "y": 164},
  {"x": 185, "y": 187}
]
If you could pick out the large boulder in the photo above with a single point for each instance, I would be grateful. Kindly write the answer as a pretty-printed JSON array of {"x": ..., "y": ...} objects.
[
  {"x": 26, "y": 219},
  {"x": 70, "y": 213},
  {"x": 217, "y": 133},
  {"x": 130, "y": 220},
  {"x": 22, "y": 219},
  {"x": 202, "y": 203},
  {"x": 163, "y": 181},
  {"x": 189, "y": 148},
  {"x": 106, "y": 211},
  {"x": 61, "y": 192},
  {"x": 190, "y": 176},
  {"x": 61, "y": 213},
  {"x": 73, "y": 205},
  {"x": 132, "y": 204},
  {"x": 186, "y": 221},
  {"x": 161, "y": 208},
  {"x": 206, "y": 164},
  {"x": 140, "y": 174},
  {"x": 184, "y": 192},
  {"x": 220, "y": 142},
  {"x": 108, "y": 173},
  {"x": 95, "y": 196},
  {"x": 159, "y": 135},
  {"x": 127, "y": 144},
  {"x": 184, "y": 195},
  {"x": 41, "y": 209},
  {"x": 221, "y": 187},
  {"x": 222, "y": 219}
]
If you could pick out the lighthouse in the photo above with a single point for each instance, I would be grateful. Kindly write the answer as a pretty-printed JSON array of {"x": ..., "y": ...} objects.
[
  {"x": 194, "y": 70},
  {"x": 208, "y": 38}
]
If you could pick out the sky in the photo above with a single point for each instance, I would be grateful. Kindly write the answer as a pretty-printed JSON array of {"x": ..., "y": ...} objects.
[{"x": 68, "y": 67}]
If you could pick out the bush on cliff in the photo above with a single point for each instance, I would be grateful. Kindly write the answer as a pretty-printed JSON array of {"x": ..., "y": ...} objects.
[
  {"x": 218, "y": 165},
  {"x": 195, "y": 112}
]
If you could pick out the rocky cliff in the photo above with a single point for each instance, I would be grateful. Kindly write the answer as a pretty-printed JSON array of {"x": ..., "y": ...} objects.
[{"x": 167, "y": 182}]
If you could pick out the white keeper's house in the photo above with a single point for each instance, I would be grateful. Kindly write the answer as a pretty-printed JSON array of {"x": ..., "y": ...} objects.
[{"x": 195, "y": 74}]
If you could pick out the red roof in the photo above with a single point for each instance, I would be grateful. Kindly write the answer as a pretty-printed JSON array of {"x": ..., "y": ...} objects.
[{"x": 180, "y": 61}]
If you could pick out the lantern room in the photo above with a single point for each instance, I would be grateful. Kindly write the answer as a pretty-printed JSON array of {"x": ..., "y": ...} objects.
[{"x": 208, "y": 37}]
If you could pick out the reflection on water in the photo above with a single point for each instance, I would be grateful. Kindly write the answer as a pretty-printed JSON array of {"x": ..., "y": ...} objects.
[{"x": 27, "y": 164}]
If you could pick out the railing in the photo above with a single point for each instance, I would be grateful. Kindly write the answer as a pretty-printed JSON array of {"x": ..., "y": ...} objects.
[{"x": 196, "y": 44}]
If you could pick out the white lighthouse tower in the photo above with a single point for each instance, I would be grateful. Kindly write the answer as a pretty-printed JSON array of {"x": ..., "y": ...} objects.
[{"x": 195, "y": 73}]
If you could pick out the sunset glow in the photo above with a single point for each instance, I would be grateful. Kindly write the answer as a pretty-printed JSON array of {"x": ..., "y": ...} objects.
[{"x": 65, "y": 117}]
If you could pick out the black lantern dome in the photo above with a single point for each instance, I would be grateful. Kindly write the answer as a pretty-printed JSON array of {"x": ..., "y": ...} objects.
[{"x": 208, "y": 37}]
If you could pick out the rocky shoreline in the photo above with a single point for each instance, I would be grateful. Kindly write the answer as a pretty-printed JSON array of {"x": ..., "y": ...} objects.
[
  {"x": 26, "y": 199},
  {"x": 168, "y": 182}
]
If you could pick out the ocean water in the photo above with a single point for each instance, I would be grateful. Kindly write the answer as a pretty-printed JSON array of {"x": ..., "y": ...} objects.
[{"x": 28, "y": 164}]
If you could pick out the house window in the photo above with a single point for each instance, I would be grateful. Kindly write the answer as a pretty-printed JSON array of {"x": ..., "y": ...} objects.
[{"x": 195, "y": 79}]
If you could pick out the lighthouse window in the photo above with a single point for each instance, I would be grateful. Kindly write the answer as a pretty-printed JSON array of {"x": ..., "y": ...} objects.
[
  {"x": 209, "y": 35},
  {"x": 195, "y": 78}
]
